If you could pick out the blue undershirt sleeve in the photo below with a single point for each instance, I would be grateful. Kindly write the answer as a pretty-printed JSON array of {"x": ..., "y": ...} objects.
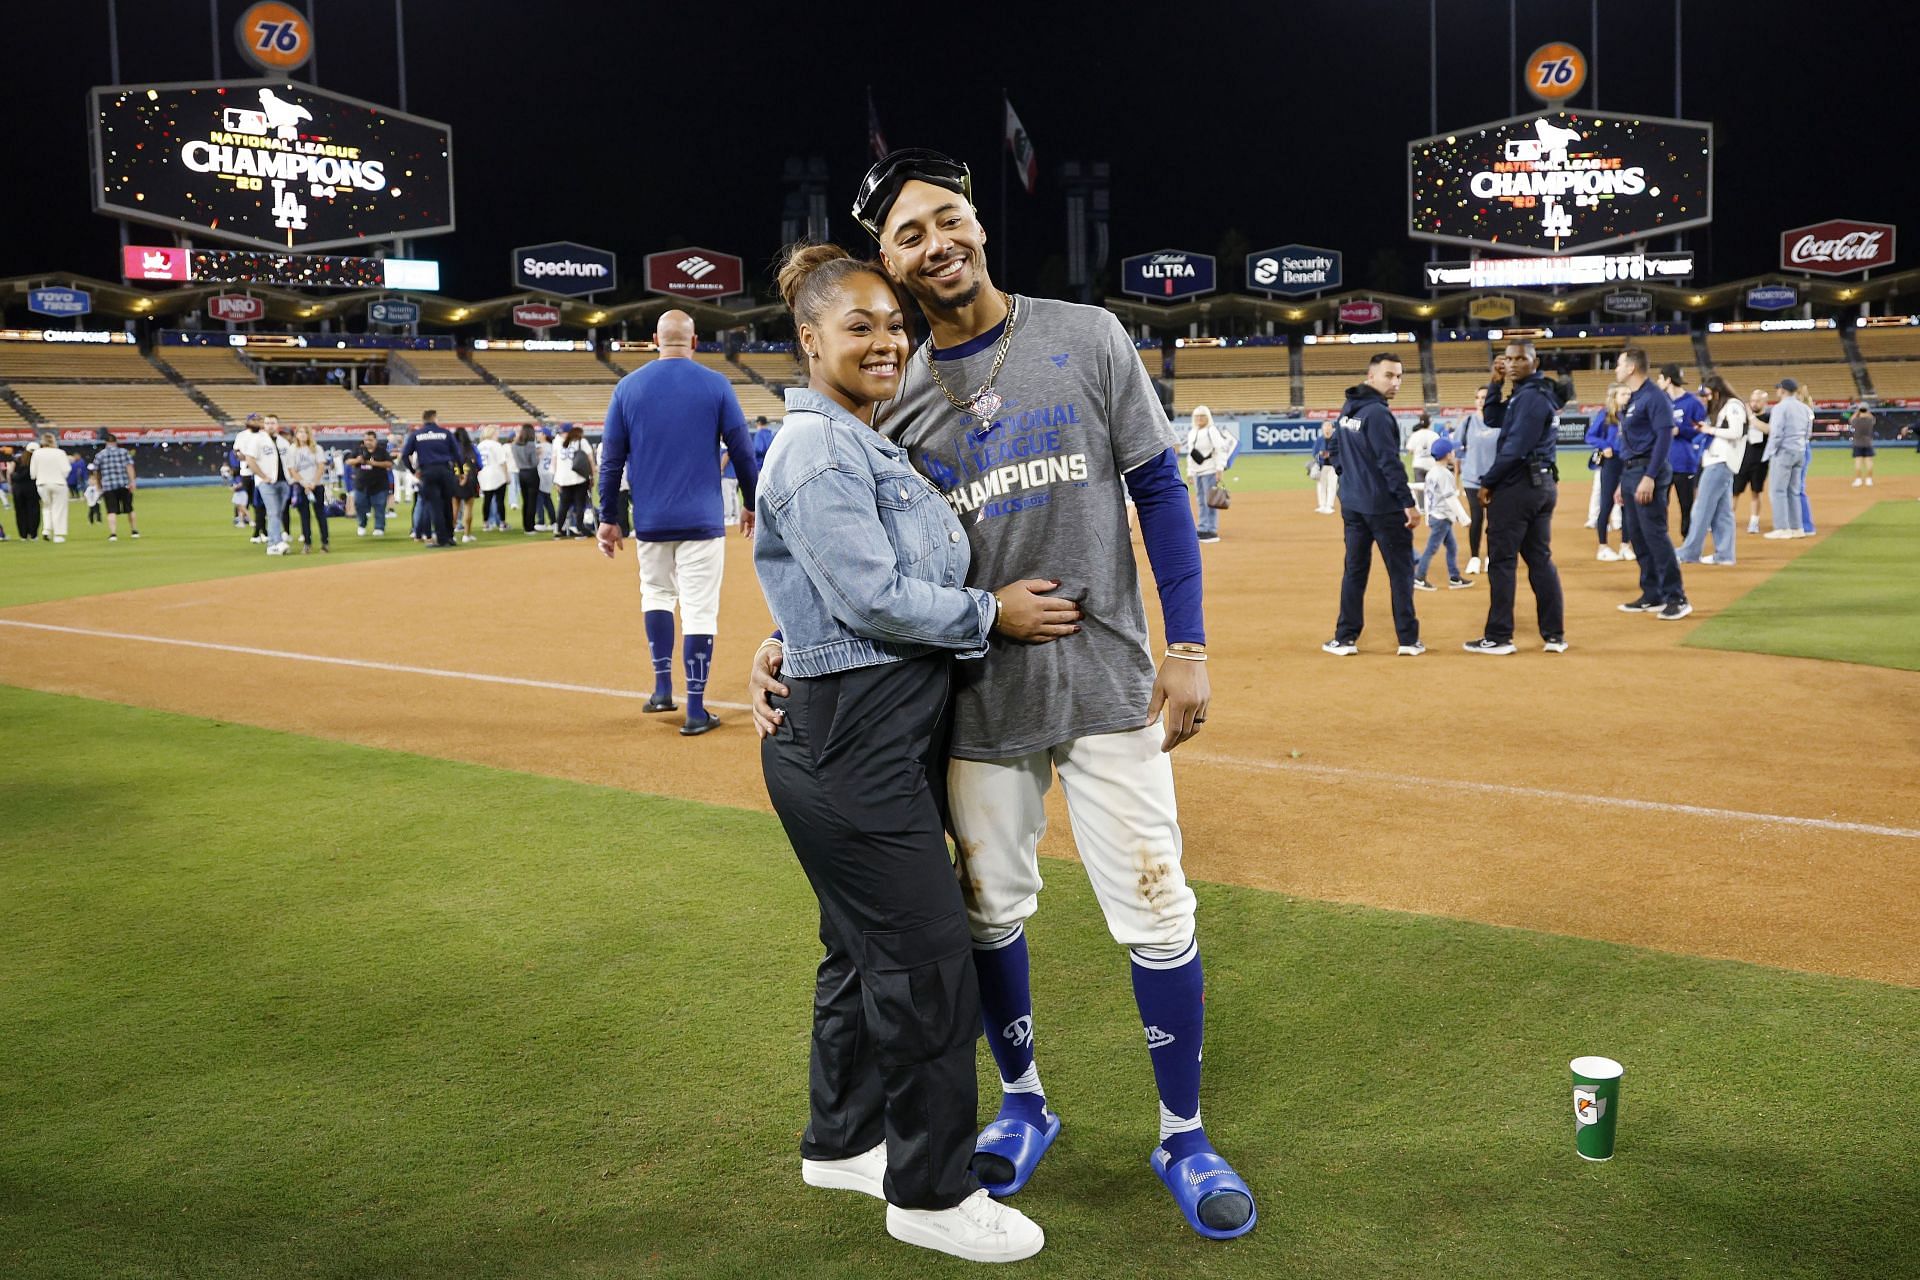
[
  {"x": 613, "y": 455},
  {"x": 1173, "y": 546}
]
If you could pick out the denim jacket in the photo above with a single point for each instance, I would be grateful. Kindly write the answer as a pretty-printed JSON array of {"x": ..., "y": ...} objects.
[{"x": 861, "y": 560}]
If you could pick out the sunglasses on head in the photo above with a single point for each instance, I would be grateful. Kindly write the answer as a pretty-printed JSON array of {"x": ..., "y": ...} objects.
[{"x": 882, "y": 184}]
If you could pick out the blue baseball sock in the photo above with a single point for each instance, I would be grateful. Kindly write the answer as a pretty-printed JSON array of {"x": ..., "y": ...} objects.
[
  {"x": 696, "y": 653},
  {"x": 1006, "y": 1010},
  {"x": 1171, "y": 998},
  {"x": 660, "y": 647}
]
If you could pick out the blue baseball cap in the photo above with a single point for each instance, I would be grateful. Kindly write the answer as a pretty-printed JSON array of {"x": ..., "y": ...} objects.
[{"x": 1442, "y": 447}]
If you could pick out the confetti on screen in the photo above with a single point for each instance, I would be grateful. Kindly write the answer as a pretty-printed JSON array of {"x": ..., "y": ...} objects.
[
  {"x": 276, "y": 165},
  {"x": 1560, "y": 180}
]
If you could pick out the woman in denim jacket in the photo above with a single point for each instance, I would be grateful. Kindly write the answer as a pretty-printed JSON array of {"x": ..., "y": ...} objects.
[{"x": 862, "y": 563}]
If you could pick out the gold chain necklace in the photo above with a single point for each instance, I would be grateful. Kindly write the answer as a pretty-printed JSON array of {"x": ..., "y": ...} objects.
[{"x": 986, "y": 401}]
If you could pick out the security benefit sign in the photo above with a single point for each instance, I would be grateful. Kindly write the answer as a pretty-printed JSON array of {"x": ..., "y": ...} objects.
[
  {"x": 1293, "y": 270},
  {"x": 1167, "y": 275},
  {"x": 269, "y": 163},
  {"x": 1556, "y": 181}
]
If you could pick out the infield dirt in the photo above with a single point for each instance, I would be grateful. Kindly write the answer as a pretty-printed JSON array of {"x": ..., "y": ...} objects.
[{"x": 1524, "y": 791}]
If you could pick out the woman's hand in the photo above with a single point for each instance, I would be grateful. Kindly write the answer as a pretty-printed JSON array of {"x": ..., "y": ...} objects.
[
  {"x": 1028, "y": 615},
  {"x": 762, "y": 682}
]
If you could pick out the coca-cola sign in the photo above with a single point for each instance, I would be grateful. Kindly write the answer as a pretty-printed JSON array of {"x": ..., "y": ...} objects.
[
  {"x": 536, "y": 315},
  {"x": 1838, "y": 247},
  {"x": 1362, "y": 313},
  {"x": 235, "y": 306}
]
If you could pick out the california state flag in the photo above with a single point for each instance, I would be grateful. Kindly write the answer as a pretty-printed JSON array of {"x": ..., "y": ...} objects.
[{"x": 1022, "y": 148}]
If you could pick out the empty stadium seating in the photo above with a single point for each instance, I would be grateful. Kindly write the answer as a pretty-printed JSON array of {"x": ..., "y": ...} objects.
[
  {"x": 631, "y": 358},
  {"x": 206, "y": 364},
  {"x": 777, "y": 367},
  {"x": 438, "y": 366},
  {"x": 1231, "y": 395},
  {"x": 1327, "y": 390},
  {"x": 1244, "y": 361},
  {"x": 75, "y": 362},
  {"x": 295, "y": 406},
  {"x": 718, "y": 362},
  {"x": 1814, "y": 358},
  {"x": 108, "y": 405},
  {"x": 756, "y": 400},
  {"x": 1472, "y": 356},
  {"x": 578, "y": 402},
  {"x": 455, "y": 404},
  {"x": 1350, "y": 359},
  {"x": 1893, "y": 360},
  {"x": 545, "y": 367},
  {"x": 1455, "y": 389}
]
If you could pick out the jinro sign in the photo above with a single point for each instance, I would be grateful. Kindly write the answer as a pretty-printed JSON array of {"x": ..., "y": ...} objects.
[
  {"x": 1838, "y": 247},
  {"x": 237, "y": 307},
  {"x": 1362, "y": 313}
]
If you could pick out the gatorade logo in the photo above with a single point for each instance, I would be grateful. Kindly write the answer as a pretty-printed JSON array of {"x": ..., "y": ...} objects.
[{"x": 1587, "y": 1107}]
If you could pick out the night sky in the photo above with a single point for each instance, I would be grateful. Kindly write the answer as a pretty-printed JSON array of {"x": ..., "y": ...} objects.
[{"x": 1229, "y": 127}]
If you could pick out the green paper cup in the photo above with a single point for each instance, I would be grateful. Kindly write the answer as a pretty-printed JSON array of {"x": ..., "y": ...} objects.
[{"x": 1596, "y": 1106}]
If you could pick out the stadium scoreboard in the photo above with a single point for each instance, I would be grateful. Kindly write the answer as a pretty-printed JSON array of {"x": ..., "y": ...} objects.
[
  {"x": 274, "y": 164},
  {"x": 1554, "y": 181}
]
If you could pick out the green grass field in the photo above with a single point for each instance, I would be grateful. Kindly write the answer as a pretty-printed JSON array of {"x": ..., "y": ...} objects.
[
  {"x": 1852, "y": 597},
  {"x": 186, "y": 535},
  {"x": 274, "y": 1007}
]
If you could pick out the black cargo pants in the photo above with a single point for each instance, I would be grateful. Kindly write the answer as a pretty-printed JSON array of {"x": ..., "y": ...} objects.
[{"x": 857, "y": 773}]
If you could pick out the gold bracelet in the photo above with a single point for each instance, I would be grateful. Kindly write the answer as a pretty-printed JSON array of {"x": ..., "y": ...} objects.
[{"x": 1186, "y": 655}]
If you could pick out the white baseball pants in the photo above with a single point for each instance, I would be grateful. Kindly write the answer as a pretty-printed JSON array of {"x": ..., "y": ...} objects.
[
  {"x": 1126, "y": 826},
  {"x": 687, "y": 574}
]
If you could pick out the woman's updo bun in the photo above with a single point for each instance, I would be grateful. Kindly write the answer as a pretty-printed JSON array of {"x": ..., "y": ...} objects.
[{"x": 811, "y": 273}]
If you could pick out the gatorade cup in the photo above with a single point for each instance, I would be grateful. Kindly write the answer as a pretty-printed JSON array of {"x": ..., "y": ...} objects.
[{"x": 1596, "y": 1106}]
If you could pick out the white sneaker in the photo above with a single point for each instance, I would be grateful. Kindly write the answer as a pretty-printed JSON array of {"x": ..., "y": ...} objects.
[
  {"x": 979, "y": 1229},
  {"x": 379, "y": 533},
  {"x": 360, "y": 531},
  {"x": 1753, "y": 525},
  {"x": 862, "y": 1173},
  {"x": 1413, "y": 650},
  {"x": 277, "y": 549},
  {"x": 1856, "y": 482},
  {"x": 1608, "y": 554},
  {"x": 1626, "y": 553},
  {"x": 1802, "y": 533},
  {"x": 1778, "y": 533},
  {"x": 1708, "y": 559},
  {"x": 258, "y": 537},
  {"x": 1473, "y": 566},
  {"x": 1869, "y": 482},
  {"x": 469, "y": 538}
]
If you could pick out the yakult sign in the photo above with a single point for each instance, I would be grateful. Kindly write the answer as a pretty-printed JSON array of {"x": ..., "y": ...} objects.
[{"x": 1838, "y": 247}]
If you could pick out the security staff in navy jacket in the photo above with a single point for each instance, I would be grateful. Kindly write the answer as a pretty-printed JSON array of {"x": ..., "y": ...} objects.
[
  {"x": 433, "y": 452},
  {"x": 1519, "y": 490},
  {"x": 1376, "y": 507}
]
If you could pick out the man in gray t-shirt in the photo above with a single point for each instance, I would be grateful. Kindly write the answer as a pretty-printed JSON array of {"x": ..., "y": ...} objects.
[
  {"x": 1037, "y": 421},
  {"x": 1040, "y": 491}
]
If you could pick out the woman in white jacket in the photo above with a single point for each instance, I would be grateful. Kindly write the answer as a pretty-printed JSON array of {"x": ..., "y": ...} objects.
[
  {"x": 494, "y": 475},
  {"x": 1208, "y": 450},
  {"x": 49, "y": 465},
  {"x": 573, "y": 490},
  {"x": 1713, "y": 501}
]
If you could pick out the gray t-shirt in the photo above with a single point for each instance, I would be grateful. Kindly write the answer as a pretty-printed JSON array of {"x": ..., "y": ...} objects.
[{"x": 1041, "y": 495}]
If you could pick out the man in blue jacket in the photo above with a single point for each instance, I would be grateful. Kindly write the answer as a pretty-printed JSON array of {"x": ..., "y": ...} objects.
[
  {"x": 433, "y": 452},
  {"x": 1376, "y": 506},
  {"x": 1519, "y": 491},
  {"x": 1646, "y": 439}
]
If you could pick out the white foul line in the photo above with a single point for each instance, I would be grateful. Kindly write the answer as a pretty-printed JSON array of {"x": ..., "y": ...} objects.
[
  {"x": 400, "y": 668},
  {"x": 1335, "y": 772},
  {"x": 1545, "y": 793}
]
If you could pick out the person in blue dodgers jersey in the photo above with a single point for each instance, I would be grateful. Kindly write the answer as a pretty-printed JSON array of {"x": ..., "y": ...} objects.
[
  {"x": 1376, "y": 508},
  {"x": 1520, "y": 488},
  {"x": 433, "y": 452},
  {"x": 1646, "y": 440},
  {"x": 1689, "y": 442},
  {"x": 1036, "y": 419},
  {"x": 863, "y": 566},
  {"x": 665, "y": 426}
]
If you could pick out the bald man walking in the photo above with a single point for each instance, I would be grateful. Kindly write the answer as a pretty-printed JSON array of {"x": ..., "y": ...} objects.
[{"x": 665, "y": 427}]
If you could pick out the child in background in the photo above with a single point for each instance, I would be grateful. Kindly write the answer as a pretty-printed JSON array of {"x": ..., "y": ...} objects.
[
  {"x": 1441, "y": 499},
  {"x": 92, "y": 495}
]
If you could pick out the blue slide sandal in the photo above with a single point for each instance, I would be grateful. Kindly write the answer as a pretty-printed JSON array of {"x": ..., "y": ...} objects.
[
  {"x": 1019, "y": 1144},
  {"x": 1205, "y": 1187}
]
